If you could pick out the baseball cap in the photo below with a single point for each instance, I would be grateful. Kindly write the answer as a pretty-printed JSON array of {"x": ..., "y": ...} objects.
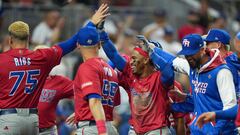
[
  {"x": 88, "y": 36},
  {"x": 218, "y": 35},
  {"x": 191, "y": 44},
  {"x": 19, "y": 29},
  {"x": 168, "y": 30},
  {"x": 159, "y": 13}
]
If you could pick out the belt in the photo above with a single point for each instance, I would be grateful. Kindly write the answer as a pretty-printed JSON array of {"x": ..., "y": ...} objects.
[
  {"x": 45, "y": 129},
  {"x": 161, "y": 130},
  {"x": 91, "y": 123},
  {"x": 14, "y": 110}
]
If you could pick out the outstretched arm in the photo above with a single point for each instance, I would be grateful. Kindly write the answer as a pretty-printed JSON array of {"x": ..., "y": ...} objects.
[
  {"x": 186, "y": 106},
  {"x": 70, "y": 44},
  {"x": 179, "y": 64},
  {"x": 112, "y": 52},
  {"x": 163, "y": 65},
  {"x": 229, "y": 114}
]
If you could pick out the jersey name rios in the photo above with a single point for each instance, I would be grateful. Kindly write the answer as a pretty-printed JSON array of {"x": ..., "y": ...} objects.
[{"x": 22, "y": 61}]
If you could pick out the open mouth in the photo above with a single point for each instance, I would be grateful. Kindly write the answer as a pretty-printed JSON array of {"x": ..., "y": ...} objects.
[{"x": 133, "y": 67}]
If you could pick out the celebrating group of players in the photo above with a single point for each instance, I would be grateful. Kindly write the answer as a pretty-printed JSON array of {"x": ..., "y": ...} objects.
[{"x": 147, "y": 76}]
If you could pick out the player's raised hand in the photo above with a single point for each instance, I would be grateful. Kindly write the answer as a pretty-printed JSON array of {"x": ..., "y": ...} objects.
[
  {"x": 100, "y": 14},
  {"x": 205, "y": 118},
  {"x": 178, "y": 93},
  {"x": 70, "y": 119}
]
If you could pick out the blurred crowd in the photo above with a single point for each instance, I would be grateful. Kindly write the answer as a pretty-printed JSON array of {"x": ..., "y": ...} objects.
[{"x": 51, "y": 30}]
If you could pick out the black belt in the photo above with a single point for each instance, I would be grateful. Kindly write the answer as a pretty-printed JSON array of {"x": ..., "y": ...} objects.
[
  {"x": 44, "y": 129},
  {"x": 14, "y": 110},
  {"x": 91, "y": 123}
]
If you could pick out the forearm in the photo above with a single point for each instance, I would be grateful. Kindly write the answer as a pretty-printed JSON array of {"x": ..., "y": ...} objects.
[
  {"x": 98, "y": 114},
  {"x": 97, "y": 109},
  {"x": 163, "y": 65},
  {"x": 230, "y": 113},
  {"x": 70, "y": 44},
  {"x": 112, "y": 52},
  {"x": 186, "y": 106},
  {"x": 180, "y": 126}
]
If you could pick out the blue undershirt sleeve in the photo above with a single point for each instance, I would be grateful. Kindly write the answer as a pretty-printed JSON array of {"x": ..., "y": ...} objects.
[
  {"x": 110, "y": 63},
  {"x": 184, "y": 107},
  {"x": 230, "y": 113},
  {"x": 94, "y": 95},
  {"x": 164, "y": 65},
  {"x": 112, "y": 52},
  {"x": 70, "y": 44}
]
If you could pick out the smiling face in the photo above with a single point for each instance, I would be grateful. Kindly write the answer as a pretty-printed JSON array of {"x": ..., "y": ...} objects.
[{"x": 137, "y": 63}]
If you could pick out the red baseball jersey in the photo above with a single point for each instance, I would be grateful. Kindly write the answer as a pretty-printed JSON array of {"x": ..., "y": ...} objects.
[
  {"x": 95, "y": 76},
  {"x": 175, "y": 115},
  {"x": 149, "y": 101},
  {"x": 23, "y": 73},
  {"x": 237, "y": 121},
  {"x": 55, "y": 88}
]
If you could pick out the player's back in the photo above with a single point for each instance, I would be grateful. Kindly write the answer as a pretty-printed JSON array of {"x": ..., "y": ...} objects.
[
  {"x": 55, "y": 88},
  {"x": 22, "y": 75},
  {"x": 95, "y": 76}
]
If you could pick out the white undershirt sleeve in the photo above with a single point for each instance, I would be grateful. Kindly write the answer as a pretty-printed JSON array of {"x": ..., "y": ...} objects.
[
  {"x": 181, "y": 65},
  {"x": 226, "y": 88}
]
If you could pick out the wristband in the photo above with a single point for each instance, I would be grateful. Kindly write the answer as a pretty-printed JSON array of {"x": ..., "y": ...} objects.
[{"x": 101, "y": 126}]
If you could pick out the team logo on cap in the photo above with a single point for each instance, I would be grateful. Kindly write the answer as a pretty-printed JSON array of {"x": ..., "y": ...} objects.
[
  {"x": 186, "y": 42},
  {"x": 89, "y": 41},
  {"x": 216, "y": 38}
]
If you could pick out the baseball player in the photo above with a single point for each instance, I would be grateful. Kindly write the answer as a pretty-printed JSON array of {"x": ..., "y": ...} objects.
[
  {"x": 23, "y": 73},
  {"x": 55, "y": 88},
  {"x": 229, "y": 113},
  {"x": 211, "y": 82},
  {"x": 95, "y": 87},
  {"x": 176, "y": 119},
  {"x": 148, "y": 87},
  {"x": 220, "y": 39}
]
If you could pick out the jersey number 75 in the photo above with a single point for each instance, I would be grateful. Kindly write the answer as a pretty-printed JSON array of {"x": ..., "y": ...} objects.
[{"x": 31, "y": 81}]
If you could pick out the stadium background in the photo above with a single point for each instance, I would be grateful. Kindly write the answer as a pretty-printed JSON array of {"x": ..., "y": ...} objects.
[{"x": 128, "y": 18}]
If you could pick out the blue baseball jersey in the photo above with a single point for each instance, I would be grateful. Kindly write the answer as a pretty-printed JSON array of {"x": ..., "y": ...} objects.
[{"x": 206, "y": 99}]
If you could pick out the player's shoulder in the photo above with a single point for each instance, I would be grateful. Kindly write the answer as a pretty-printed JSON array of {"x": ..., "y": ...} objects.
[
  {"x": 92, "y": 63},
  {"x": 59, "y": 77}
]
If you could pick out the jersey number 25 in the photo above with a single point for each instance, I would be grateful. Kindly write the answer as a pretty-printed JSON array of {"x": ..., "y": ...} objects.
[{"x": 30, "y": 83}]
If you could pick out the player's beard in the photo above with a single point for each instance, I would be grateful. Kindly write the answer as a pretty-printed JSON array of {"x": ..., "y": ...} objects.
[{"x": 198, "y": 61}]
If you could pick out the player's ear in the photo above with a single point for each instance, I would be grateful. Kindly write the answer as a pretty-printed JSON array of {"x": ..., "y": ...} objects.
[
  {"x": 99, "y": 45},
  {"x": 146, "y": 60},
  {"x": 10, "y": 40}
]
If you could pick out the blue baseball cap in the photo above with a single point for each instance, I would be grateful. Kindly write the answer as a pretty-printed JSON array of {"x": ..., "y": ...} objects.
[
  {"x": 168, "y": 30},
  {"x": 88, "y": 36},
  {"x": 191, "y": 44},
  {"x": 218, "y": 35}
]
